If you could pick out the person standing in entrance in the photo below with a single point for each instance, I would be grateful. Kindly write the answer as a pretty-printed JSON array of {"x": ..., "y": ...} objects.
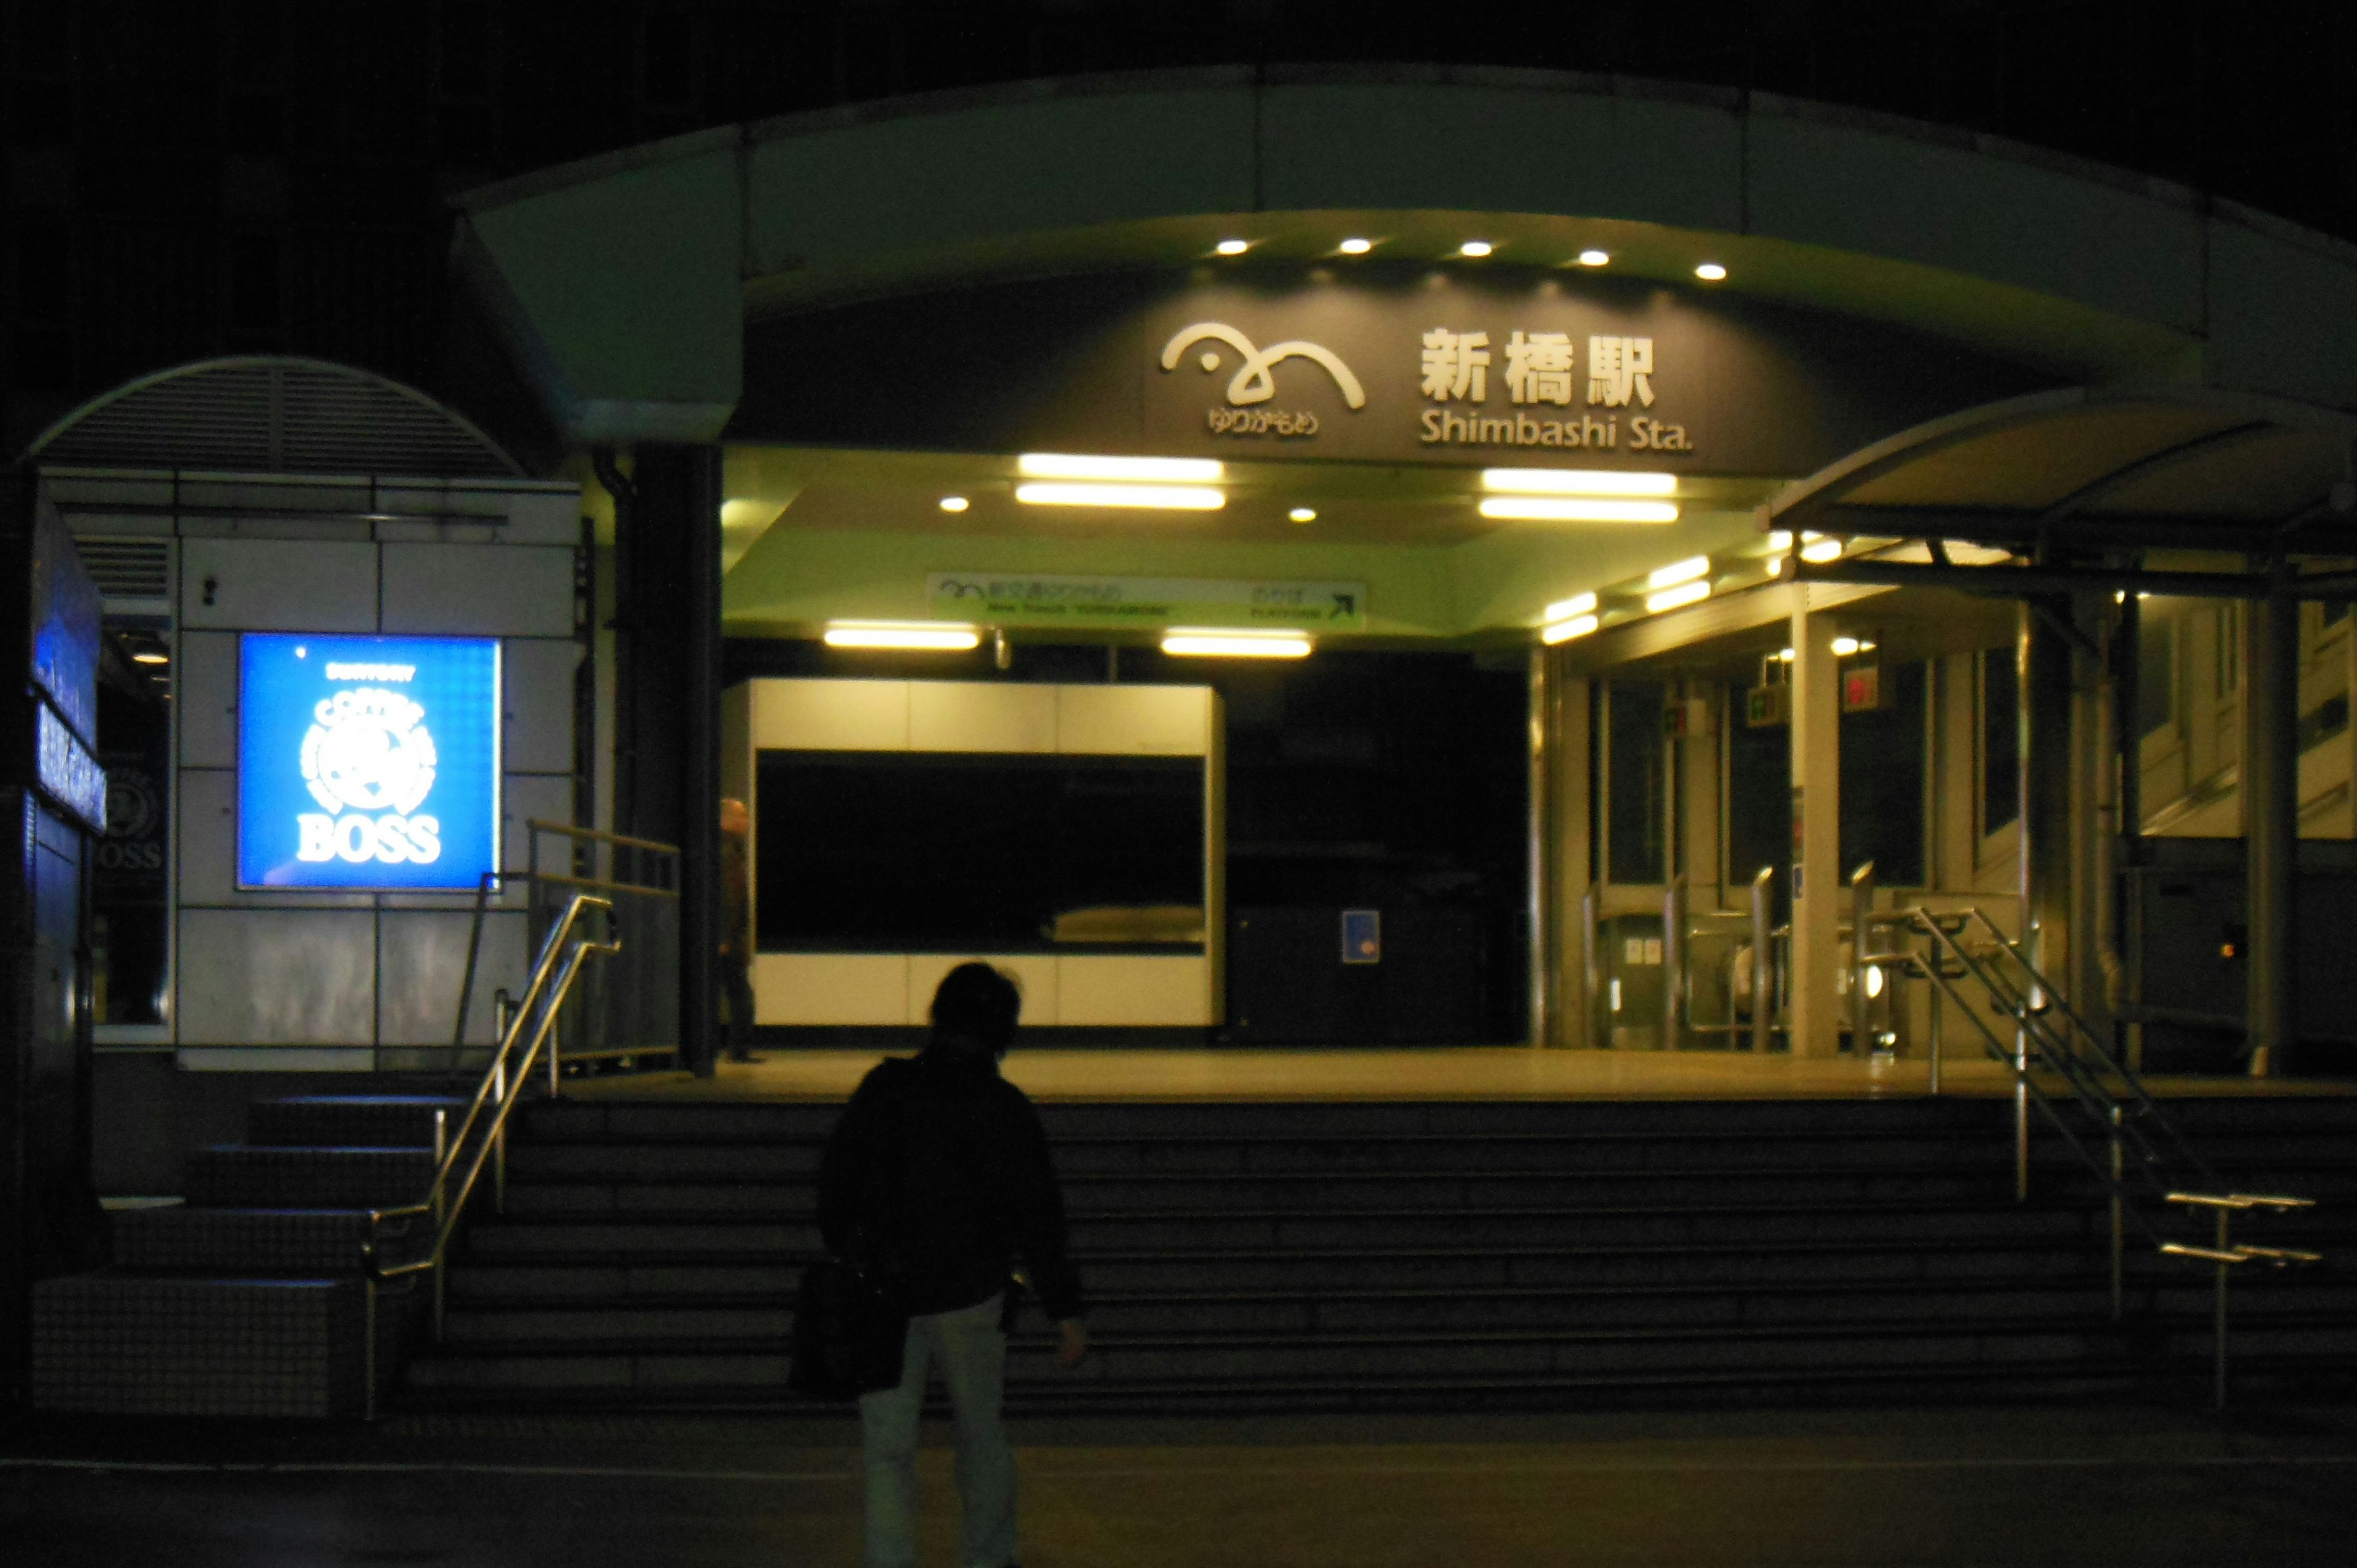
[
  {"x": 736, "y": 928},
  {"x": 938, "y": 1177}
]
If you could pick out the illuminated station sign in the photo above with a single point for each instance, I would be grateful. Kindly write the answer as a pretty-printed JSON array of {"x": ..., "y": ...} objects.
[{"x": 367, "y": 763}]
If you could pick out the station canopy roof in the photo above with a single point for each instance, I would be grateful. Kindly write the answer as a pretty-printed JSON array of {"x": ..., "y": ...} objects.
[{"x": 2194, "y": 490}]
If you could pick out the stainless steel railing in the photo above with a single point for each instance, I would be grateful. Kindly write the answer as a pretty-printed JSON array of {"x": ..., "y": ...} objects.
[
  {"x": 480, "y": 1139},
  {"x": 2090, "y": 1096}
]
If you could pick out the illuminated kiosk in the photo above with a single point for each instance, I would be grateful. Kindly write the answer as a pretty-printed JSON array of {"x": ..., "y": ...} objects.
[{"x": 847, "y": 342}]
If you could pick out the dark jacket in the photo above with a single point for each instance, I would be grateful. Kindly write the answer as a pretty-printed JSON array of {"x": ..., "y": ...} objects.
[{"x": 938, "y": 1173}]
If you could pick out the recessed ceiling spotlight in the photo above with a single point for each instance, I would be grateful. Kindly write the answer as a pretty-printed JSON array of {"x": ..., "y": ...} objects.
[
  {"x": 1595, "y": 258},
  {"x": 953, "y": 503},
  {"x": 1354, "y": 246},
  {"x": 1476, "y": 248},
  {"x": 1303, "y": 515},
  {"x": 1710, "y": 271},
  {"x": 1233, "y": 247}
]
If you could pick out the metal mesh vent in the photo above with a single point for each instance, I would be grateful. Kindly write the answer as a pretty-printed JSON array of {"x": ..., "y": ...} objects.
[
  {"x": 278, "y": 415},
  {"x": 127, "y": 567}
]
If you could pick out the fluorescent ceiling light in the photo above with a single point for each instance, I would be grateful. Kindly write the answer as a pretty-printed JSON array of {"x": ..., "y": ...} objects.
[
  {"x": 951, "y": 637},
  {"x": 1779, "y": 540},
  {"x": 1564, "y": 630},
  {"x": 1355, "y": 246},
  {"x": 1673, "y": 598},
  {"x": 1710, "y": 271},
  {"x": 1594, "y": 258},
  {"x": 1213, "y": 642},
  {"x": 1677, "y": 572},
  {"x": 1576, "y": 508},
  {"x": 1303, "y": 515},
  {"x": 1233, "y": 247},
  {"x": 1785, "y": 655},
  {"x": 1475, "y": 248},
  {"x": 953, "y": 503},
  {"x": 1823, "y": 550},
  {"x": 1157, "y": 498},
  {"x": 1846, "y": 645},
  {"x": 1575, "y": 482},
  {"x": 1130, "y": 471},
  {"x": 151, "y": 657},
  {"x": 1562, "y": 610}
]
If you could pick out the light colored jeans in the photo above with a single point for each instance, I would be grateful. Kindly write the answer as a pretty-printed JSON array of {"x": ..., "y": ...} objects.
[{"x": 973, "y": 1357}]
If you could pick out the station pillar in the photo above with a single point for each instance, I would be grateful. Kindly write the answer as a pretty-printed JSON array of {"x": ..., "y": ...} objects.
[
  {"x": 1815, "y": 1008},
  {"x": 667, "y": 697},
  {"x": 2042, "y": 656},
  {"x": 2270, "y": 822}
]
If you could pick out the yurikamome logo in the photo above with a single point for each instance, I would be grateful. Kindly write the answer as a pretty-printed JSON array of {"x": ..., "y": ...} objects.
[
  {"x": 1255, "y": 381},
  {"x": 368, "y": 760}
]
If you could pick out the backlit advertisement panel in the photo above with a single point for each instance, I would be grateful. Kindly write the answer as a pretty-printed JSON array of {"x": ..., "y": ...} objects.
[{"x": 367, "y": 763}]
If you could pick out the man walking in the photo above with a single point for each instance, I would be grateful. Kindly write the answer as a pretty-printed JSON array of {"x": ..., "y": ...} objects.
[
  {"x": 938, "y": 1177},
  {"x": 736, "y": 928}
]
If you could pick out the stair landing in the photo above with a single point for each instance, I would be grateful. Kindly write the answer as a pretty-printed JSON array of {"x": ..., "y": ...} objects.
[{"x": 1488, "y": 1073}]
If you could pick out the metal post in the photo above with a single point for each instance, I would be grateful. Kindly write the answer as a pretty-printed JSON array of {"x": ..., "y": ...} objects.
[
  {"x": 2119, "y": 1228},
  {"x": 1933, "y": 958},
  {"x": 1763, "y": 963},
  {"x": 441, "y": 1152},
  {"x": 1861, "y": 920},
  {"x": 500, "y": 1138},
  {"x": 2217, "y": 1321},
  {"x": 2270, "y": 821},
  {"x": 1673, "y": 964},
  {"x": 1599, "y": 1022},
  {"x": 368, "y": 1345},
  {"x": 2021, "y": 1118}
]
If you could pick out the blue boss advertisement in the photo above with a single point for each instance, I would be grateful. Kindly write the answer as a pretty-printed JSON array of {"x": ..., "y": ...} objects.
[{"x": 367, "y": 762}]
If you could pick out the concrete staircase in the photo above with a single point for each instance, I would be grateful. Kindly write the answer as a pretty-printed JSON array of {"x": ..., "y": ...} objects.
[
  {"x": 248, "y": 1297},
  {"x": 1252, "y": 1257}
]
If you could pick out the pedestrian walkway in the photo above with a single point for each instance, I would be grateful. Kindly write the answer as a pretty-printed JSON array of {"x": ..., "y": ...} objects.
[{"x": 1812, "y": 1488}]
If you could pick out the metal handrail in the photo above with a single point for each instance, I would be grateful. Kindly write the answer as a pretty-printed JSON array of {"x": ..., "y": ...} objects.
[
  {"x": 533, "y": 1020},
  {"x": 2067, "y": 1046},
  {"x": 2228, "y": 1254}
]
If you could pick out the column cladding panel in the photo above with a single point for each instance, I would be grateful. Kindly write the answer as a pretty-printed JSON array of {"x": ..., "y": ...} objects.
[
  {"x": 536, "y": 674},
  {"x": 445, "y": 590},
  {"x": 277, "y": 977},
  {"x": 206, "y": 698},
  {"x": 278, "y": 585},
  {"x": 421, "y": 964}
]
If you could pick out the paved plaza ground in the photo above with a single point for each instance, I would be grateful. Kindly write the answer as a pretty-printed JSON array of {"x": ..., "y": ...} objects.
[{"x": 2151, "y": 1485}]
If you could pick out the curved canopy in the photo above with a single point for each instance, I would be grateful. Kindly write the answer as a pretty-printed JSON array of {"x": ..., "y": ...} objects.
[
  {"x": 272, "y": 415},
  {"x": 2080, "y": 477},
  {"x": 623, "y": 284}
]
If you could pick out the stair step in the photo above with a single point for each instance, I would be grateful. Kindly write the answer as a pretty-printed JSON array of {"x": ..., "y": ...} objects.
[
  {"x": 353, "y": 1121},
  {"x": 1433, "y": 1255},
  {"x": 131, "y": 1345},
  {"x": 323, "y": 1242},
  {"x": 530, "y": 1192},
  {"x": 245, "y": 1175}
]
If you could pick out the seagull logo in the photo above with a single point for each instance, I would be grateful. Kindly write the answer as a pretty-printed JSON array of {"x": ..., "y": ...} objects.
[{"x": 1254, "y": 381}]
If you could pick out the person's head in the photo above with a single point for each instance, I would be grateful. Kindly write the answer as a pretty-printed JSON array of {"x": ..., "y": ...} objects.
[
  {"x": 978, "y": 1004},
  {"x": 735, "y": 820}
]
